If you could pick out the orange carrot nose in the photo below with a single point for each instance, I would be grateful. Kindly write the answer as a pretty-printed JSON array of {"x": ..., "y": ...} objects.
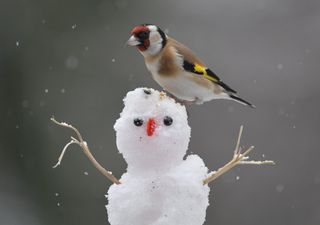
[{"x": 151, "y": 126}]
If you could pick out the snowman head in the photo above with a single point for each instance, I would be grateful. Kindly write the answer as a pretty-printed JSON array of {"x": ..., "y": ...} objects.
[{"x": 152, "y": 131}]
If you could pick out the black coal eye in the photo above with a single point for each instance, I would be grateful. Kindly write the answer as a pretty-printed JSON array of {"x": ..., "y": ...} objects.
[
  {"x": 167, "y": 120},
  {"x": 146, "y": 91},
  {"x": 138, "y": 122}
]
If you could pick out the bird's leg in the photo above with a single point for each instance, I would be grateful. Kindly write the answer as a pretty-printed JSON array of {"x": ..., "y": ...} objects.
[
  {"x": 178, "y": 100},
  {"x": 85, "y": 149},
  {"x": 186, "y": 102},
  {"x": 238, "y": 158}
]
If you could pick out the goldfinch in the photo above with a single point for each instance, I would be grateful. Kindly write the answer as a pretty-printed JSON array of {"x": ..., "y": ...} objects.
[{"x": 177, "y": 69}]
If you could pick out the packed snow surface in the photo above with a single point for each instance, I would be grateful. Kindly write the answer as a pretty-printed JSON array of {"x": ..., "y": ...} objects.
[{"x": 159, "y": 187}]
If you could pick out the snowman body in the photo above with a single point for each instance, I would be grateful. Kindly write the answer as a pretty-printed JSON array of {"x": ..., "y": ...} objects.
[{"x": 159, "y": 187}]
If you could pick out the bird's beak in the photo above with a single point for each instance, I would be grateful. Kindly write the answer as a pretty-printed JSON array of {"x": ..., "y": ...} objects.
[
  {"x": 151, "y": 126},
  {"x": 133, "y": 41}
]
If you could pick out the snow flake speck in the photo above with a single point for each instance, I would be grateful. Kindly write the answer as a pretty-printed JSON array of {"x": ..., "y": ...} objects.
[
  {"x": 72, "y": 62},
  {"x": 25, "y": 104},
  {"x": 279, "y": 66},
  {"x": 279, "y": 188}
]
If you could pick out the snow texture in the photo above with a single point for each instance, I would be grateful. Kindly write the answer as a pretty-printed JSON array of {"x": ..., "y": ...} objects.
[{"x": 159, "y": 187}]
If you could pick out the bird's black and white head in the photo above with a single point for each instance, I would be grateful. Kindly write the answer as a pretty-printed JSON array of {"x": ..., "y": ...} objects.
[{"x": 149, "y": 39}]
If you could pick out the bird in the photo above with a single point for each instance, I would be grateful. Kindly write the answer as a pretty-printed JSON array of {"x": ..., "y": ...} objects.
[{"x": 177, "y": 69}]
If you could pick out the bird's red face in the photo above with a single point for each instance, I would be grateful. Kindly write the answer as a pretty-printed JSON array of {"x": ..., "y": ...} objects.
[{"x": 140, "y": 37}]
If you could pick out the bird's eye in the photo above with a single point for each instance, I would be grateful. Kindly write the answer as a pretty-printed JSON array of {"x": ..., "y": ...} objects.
[
  {"x": 167, "y": 120},
  {"x": 138, "y": 122},
  {"x": 143, "y": 35}
]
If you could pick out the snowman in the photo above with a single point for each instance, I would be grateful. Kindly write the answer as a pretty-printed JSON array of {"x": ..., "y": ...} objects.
[
  {"x": 159, "y": 187},
  {"x": 162, "y": 186}
]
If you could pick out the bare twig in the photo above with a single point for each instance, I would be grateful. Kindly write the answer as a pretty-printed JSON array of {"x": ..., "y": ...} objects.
[
  {"x": 85, "y": 150},
  {"x": 238, "y": 159},
  {"x": 63, "y": 152}
]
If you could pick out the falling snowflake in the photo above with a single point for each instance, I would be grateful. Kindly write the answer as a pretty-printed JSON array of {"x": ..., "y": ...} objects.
[
  {"x": 72, "y": 62},
  {"x": 279, "y": 66},
  {"x": 279, "y": 188},
  {"x": 25, "y": 103}
]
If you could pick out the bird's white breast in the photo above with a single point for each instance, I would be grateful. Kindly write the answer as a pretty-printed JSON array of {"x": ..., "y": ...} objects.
[
  {"x": 184, "y": 87},
  {"x": 153, "y": 66}
]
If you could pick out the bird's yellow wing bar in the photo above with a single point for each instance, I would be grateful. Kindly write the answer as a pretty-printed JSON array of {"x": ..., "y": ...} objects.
[
  {"x": 206, "y": 73},
  {"x": 201, "y": 70}
]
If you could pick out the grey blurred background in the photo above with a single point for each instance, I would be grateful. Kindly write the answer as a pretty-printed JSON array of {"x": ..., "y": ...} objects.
[{"x": 67, "y": 58}]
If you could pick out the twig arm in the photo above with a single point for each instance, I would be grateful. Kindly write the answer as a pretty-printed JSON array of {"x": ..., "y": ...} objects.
[
  {"x": 98, "y": 166},
  {"x": 238, "y": 159},
  {"x": 85, "y": 150}
]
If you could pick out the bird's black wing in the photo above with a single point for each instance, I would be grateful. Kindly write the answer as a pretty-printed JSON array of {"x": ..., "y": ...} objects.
[{"x": 206, "y": 73}]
